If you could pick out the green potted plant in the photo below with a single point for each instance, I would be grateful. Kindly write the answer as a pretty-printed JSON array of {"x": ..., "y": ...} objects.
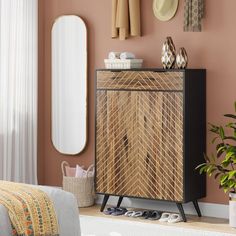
[{"x": 223, "y": 165}]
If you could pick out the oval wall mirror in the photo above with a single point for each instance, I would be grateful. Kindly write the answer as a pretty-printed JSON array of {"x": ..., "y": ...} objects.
[{"x": 69, "y": 85}]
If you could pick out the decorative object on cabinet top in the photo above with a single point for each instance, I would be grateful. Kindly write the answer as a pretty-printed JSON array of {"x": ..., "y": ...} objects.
[
  {"x": 122, "y": 60},
  {"x": 121, "y": 55},
  {"x": 126, "y": 18},
  {"x": 165, "y": 10},
  {"x": 194, "y": 12},
  {"x": 168, "y": 54},
  {"x": 182, "y": 59}
]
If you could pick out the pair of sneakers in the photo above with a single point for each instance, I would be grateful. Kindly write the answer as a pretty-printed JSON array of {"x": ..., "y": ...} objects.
[{"x": 170, "y": 217}]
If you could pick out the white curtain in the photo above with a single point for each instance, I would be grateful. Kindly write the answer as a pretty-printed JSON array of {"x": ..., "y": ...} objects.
[{"x": 18, "y": 90}]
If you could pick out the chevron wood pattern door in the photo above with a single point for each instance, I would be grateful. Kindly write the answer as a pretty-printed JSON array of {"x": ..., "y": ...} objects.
[{"x": 139, "y": 135}]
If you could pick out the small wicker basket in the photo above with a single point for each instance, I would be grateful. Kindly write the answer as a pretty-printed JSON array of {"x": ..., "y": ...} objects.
[{"x": 82, "y": 188}]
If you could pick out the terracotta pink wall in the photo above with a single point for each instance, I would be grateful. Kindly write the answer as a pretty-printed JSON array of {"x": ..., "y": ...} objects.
[{"x": 213, "y": 49}]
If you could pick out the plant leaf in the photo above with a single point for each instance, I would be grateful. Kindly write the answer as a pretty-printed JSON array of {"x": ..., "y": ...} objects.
[
  {"x": 229, "y": 155},
  {"x": 214, "y": 128},
  {"x": 224, "y": 179},
  {"x": 222, "y": 132},
  {"x": 214, "y": 139},
  {"x": 203, "y": 169},
  {"x": 232, "y": 174},
  {"x": 226, "y": 189},
  {"x": 225, "y": 163},
  {"x": 230, "y": 138},
  {"x": 220, "y": 149},
  {"x": 231, "y": 125},
  {"x": 211, "y": 171},
  {"x": 232, "y": 184},
  {"x": 199, "y": 166},
  {"x": 230, "y": 116},
  {"x": 217, "y": 175},
  {"x": 232, "y": 148}
]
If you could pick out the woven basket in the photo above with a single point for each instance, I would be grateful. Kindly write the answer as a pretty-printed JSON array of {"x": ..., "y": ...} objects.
[{"x": 82, "y": 188}]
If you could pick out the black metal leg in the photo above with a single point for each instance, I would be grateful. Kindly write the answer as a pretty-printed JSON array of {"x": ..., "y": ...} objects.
[
  {"x": 119, "y": 201},
  {"x": 181, "y": 210},
  {"x": 195, "y": 203},
  {"x": 104, "y": 202}
]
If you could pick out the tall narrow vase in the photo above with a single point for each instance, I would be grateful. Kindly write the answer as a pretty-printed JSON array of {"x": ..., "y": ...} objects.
[{"x": 168, "y": 54}]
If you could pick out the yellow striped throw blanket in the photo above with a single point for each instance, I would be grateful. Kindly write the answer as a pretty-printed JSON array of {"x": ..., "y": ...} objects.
[{"x": 30, "y": 210}]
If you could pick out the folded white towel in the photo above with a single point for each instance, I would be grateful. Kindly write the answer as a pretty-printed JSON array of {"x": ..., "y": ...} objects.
[
  {"x": 114, "y": 55},
  {"x": 127, "y": 55},
  {"x": 80, "y": 172}
]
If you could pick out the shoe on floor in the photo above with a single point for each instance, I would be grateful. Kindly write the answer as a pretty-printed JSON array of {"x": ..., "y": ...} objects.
[
  {"x": 165, "y": 217},
  {"x": 109, "y": 210},
  {"x": 145, "y": 214},
  {"x": 155, "y": 215},
  {"x": 119, "y": 211},
  {"x": 137, "y": 214},
  {"x": 174, "y": 218},
  {"x": 129, "y": 213}
]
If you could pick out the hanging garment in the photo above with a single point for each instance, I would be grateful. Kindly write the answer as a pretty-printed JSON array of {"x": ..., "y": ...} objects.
[
  {"x": 125, "y": 18},
  {"x": 193, "y": 15},
  {"x": 18, "y": 90}
]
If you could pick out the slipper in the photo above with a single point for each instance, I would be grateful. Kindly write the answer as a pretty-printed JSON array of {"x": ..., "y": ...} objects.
[
  {"x": 165, "y": 217},
  {"x": 137, "y": 214},
  {"x": 149, "y": 214},
  {"x": 175, "y": 218},
  {"x": 109, "y": 210},
  {"x": 119, "y": 211},
  {"x": 129, "y": 213},
  {"x": 156, "y": 215},
  {"x": 145, "y": 214}
]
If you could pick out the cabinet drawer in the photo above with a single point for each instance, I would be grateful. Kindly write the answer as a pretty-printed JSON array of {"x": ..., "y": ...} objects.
[{"x": 140, "y": 80}]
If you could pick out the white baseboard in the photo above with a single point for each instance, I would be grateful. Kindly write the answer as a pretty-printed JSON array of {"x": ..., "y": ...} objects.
[{"x": 207, "y": 209}]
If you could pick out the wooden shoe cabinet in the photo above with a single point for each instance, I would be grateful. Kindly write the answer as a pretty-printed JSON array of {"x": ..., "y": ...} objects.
[{"x": 150, "y": 134}]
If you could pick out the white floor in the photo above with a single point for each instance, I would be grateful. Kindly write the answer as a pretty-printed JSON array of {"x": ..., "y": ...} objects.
[{"x": 98, "y": 226}]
